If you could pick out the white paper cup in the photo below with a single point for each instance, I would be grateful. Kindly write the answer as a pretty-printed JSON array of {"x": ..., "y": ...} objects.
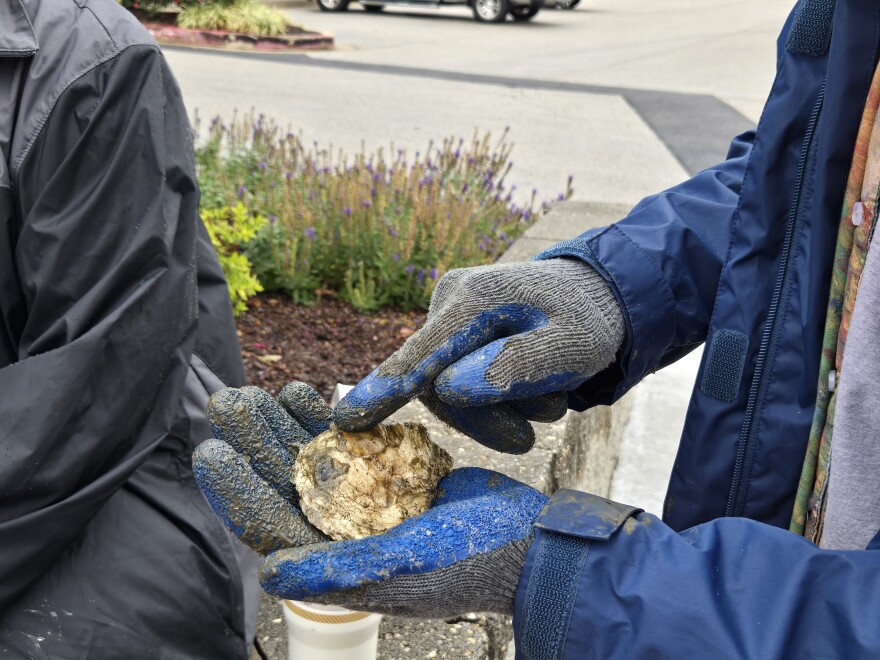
[{"x": 326, "y": 632}]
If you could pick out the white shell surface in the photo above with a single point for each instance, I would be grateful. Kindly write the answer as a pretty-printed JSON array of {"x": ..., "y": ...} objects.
[{"x": 353, "y": 485}]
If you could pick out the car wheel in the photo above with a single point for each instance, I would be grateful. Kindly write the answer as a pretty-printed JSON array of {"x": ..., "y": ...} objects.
[
  {"x": 490, "y": 11},
  {"x": 374, "y": 8},
  {"x": 332, "y": 5},
  {"x": 525, "y": 13}
]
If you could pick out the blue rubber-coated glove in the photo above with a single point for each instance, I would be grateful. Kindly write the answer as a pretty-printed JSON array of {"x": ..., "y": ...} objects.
[
  {"x": 464, "y": 554},
  {"x": 502, "y": 345}
]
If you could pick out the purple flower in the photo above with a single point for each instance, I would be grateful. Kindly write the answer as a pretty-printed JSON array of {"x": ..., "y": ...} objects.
[
  {"x": 262, "y": 165},
  {"x": 392, "y": 231},
  {"x": 433, "y": 273},
  {"x": 288, "y": 175},
  {"x": 420, "y": 276},
  {"x": 465, "y": 188},
  {"x": 347, "y": 210},
  {"x": 456, "y": 154},
  {"x": 560, "y": 197},
  {"x": 372, "y": 192},
  {"x": 367, "y": 204},
  {"x": 395, "y": 257},
  {"x": 241, "y": 191},
  {"x": 309, "y": 232},
  {"x": 272, "y": 185},
  {"x": 377, "y": 177},
  {"x": 273, "y": 218},
  {"x": 410, "y": 269}
]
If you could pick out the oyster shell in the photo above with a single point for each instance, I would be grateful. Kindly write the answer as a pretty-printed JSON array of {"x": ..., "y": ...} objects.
[{"x": 353, "y": 485}]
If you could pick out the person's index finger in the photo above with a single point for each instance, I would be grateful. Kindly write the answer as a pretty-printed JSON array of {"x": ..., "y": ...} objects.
[
  {"x": 414, "y": 366},
  {"x": 306, "y": 406},
  {"x": 247, "y": 431},
  {"x": 288, "y": 432}
]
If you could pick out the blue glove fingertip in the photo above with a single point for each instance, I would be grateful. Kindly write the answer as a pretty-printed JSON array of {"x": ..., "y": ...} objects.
[
  {"x": 306, "y": 406},
  {"x": 215, "y": 464}
]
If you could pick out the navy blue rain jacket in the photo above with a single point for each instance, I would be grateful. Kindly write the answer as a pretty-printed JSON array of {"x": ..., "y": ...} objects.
[{"x": 738, "y": 257}]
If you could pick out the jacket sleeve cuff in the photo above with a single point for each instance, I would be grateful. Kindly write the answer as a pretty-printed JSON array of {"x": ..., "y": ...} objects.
[
  {"x": 647, "y": 303},
  {"x": 555, "y": 568}
]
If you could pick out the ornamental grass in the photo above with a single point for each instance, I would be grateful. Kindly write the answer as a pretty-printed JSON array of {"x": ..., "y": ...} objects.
[
  {"x": 247, "y": 16},
  {"x": 376, "y": 229}
]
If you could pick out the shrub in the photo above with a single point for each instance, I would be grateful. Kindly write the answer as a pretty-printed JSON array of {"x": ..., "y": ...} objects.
[
  {"x": 240, "y": 16},
  {"x": 230, "y": 227},
  {"x": 376, "y": 229},
  {"x": 247, "y": 16}
]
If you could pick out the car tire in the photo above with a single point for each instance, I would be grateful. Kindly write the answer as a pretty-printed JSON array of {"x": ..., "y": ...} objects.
[
  {"x": 524, "y": 13},
  {"x": 332, "y": 5},
  {"x": 490, "y": 11},
  {"x": 375, "y": 9}
]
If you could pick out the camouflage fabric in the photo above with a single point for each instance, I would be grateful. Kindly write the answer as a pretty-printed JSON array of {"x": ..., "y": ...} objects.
[{"x": 856, "y": 226}]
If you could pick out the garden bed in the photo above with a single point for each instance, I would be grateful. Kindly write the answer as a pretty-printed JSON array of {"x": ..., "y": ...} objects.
[
  {"x": 296, "y": 39},
  {"x": 321, "y": 344}
]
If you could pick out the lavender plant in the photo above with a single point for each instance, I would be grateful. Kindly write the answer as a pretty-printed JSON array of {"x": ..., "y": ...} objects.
[{"x": 377, "y": 229}]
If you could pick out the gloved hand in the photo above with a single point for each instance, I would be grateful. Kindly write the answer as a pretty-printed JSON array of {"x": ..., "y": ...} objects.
[
  {"x": 464, "y": 554},
  {"x": 502, "y": 345}
]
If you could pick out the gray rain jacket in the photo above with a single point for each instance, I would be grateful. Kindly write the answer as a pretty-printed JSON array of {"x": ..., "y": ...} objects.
[{"x": 115, "y": 324}]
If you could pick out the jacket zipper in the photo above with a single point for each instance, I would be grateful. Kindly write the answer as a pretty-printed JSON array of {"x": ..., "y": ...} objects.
[{"x": 745, "y": 451}]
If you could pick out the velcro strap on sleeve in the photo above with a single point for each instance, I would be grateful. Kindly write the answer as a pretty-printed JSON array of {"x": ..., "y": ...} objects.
[
  {"x": 583, "y": 515},
  {"x": 810, "y": 32},
  {"x": 566, "y": 527}
]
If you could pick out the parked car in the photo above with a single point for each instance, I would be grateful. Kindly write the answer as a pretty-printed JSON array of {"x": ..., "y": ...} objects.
[{"x": 485, "y": 11}]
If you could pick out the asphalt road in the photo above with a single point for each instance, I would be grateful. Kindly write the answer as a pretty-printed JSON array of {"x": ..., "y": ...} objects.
[{"x": 627, "y": 96}]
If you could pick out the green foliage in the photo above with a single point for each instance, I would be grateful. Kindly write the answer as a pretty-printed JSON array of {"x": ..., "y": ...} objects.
[
  {"x": 247, "y": 16},
  {"x": 230, "y": 227},
  {"x": 377, "y": 229}
]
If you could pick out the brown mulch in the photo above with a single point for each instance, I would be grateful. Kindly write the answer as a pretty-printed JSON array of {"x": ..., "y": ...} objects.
[{"x": 321, "y": 344}]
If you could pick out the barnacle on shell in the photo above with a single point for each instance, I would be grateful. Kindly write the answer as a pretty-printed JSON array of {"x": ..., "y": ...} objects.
[{"x": 353, "y": 485}]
